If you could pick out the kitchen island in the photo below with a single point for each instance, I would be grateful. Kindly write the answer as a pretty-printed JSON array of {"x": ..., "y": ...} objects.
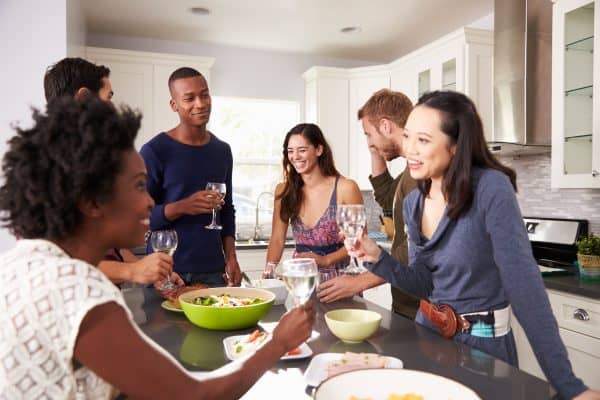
[{"x": 200, "y": 349}]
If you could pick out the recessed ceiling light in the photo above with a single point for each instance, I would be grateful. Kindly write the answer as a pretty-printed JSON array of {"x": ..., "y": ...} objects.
[
  {"x": 199, "y": 10},
  {"x": 351, "y": 29}
]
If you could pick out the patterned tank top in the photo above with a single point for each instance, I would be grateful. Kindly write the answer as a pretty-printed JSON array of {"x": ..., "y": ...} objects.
[{"x": 323, "y": 238}]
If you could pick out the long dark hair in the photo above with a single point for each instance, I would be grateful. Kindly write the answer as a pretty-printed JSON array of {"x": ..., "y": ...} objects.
[
  {"x": 462, "y": 125},
  {"x": 291, "y": 197}
]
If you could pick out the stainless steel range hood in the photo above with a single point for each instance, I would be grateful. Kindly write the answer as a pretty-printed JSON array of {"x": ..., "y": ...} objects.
[{"x": 522, "y": 76}]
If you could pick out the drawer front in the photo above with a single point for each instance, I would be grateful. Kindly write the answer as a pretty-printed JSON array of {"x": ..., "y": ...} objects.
[
  {"x": 584, "y": 354},
  {"x": 576, "y": 313}
]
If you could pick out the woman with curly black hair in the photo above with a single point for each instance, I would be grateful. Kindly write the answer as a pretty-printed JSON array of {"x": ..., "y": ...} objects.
[{"x": 75, "y": 187}]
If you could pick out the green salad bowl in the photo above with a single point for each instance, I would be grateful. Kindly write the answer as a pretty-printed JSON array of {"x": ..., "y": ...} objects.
[{"x": 226, "y": 318}]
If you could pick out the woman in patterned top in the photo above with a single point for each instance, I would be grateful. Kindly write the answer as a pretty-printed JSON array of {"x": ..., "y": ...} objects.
[
  {"x": 75, "y": 187},
  {"x": 307, "y": 199}
]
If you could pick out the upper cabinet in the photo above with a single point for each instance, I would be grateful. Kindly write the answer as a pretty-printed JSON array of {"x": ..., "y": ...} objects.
[
  {"x": 140, "y": 80},
  {"x": 575, "y": 90},
  {"x": 459, "y": 61}
]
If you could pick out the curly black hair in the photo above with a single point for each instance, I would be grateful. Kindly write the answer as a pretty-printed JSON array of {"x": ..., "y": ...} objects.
[{"x": 73, "y": 152}]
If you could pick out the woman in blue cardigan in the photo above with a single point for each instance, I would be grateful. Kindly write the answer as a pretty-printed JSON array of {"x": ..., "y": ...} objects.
[{"x": 469, "y": 254}]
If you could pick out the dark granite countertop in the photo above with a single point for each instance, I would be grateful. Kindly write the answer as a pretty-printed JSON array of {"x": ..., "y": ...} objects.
[
  {"x": 572, "y": 284},
  {"x": 200, "y": 349}
]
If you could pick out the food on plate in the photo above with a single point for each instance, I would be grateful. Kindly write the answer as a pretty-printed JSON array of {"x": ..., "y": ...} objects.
[
  {"x": 252, "y": 342},
  {"x": 394, "y": 396},
  {"x": 173, "y": 295},
  {"x": 353, "y": 361},
  {"x": 225, "y": 300}
]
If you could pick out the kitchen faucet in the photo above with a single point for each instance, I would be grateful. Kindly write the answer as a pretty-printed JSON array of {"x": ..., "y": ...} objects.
[{"x": 256, "y": 224}]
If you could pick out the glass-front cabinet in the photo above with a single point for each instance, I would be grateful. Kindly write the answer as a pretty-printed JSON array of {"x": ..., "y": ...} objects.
[
  {"x": 575, "y": 89},
  {"x": 424, "y": 82},
  {"x": 449, "y": 75}
]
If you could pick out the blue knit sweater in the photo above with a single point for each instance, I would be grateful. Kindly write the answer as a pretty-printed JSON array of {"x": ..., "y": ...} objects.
[
  {"x": 177, "y": 170},
  {"x": 483, "y": 261}
]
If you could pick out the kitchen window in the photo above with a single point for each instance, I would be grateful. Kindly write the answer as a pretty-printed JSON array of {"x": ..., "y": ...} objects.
[{"x": 255, "y": 130}]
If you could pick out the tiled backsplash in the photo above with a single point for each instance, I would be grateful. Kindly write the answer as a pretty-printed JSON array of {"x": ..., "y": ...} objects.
[
  {"x": 535, "y": 196},
  {"x": 537, "y": 199}
]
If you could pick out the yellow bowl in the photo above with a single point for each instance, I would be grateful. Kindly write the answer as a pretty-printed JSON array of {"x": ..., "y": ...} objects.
[{"x": 352, "y": 325}]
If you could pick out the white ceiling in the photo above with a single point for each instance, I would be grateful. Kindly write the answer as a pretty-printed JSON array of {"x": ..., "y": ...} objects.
[{"x": 390, "y": 28}]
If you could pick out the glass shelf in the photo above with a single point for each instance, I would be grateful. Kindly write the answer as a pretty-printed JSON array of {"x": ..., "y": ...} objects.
[
  {"x": 585, "y": 44},
  {"x": 580, "y": 91},
  {"x": 579, "y": 138}
]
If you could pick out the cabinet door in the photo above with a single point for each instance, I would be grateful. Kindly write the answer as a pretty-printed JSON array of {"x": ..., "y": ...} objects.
[
  {"x": 575, "y": 75},
  {"x": 584, "y": 354},
  {"x": 132, "y": 84},
  {"x": 361, "y": 89}
]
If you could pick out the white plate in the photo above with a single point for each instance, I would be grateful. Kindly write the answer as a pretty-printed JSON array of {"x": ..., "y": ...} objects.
[
  {"x": 168, "y": 305},
  {"x": 229, "y": 343},
  {"x": 384, "y": 382},
  {"x": 270, "y": 327},
  {"x": 317, "y": 369}
]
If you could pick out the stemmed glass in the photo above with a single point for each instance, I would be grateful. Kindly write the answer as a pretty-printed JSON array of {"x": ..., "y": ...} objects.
[
  {"x": 165, "y": 241},
  {"x": 352, "y": 219},
  {"x": 220, "y": 188},
  {"x": 300, "y": 276}
]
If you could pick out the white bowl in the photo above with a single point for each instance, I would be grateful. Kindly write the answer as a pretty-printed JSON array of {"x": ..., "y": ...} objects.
[{"x": 273, "y": 285}]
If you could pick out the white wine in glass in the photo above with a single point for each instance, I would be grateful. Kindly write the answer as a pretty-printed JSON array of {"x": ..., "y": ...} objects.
[
  {"x": 352, "y": 219},
  {"x": 165, "y": 241},
  {"x": 300, "y": 276},
  {"x": 221, "y": 189}
]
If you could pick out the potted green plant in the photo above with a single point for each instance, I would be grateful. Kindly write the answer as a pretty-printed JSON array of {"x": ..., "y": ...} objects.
[{"x": 588, "y": 257}]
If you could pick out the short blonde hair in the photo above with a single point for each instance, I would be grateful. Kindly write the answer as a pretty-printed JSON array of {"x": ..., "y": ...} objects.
[{"x": 387, "y": 104}]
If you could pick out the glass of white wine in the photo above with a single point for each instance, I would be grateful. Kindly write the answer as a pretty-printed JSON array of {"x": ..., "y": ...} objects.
[
  {"x": 352, "y": 219},
  {"x": 301, "y": 276},
  {"x": 165, "y": 241},
  {"x": 221, "y": 189}
]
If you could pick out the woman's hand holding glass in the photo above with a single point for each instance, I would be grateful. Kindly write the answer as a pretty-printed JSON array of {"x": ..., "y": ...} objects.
[
  {"x": 363, "y": 248},
  {"x": 165, "y": 241}
]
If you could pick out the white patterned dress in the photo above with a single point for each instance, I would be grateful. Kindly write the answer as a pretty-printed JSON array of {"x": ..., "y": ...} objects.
[{"x": 44, "y": 296}]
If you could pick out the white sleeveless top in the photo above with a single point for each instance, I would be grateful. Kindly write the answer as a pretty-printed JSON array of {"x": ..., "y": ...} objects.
[{"x": 44, "y": 296}]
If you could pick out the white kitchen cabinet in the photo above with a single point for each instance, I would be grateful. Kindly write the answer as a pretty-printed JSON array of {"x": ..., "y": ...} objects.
[
  {"x": 252, "y": 261},
  {"x": 459, "y": 61},
  {"x": 575, "y": 91},
  {"x": 140, "y": 80},
  {"x": 326, "y": 104},
  {"x": 580, "y": 334}
]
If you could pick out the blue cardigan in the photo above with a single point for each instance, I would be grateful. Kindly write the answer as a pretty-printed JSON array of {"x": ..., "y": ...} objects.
[
  {"x": 177, "y": 170},
  {"x": 483, "y": 261}
]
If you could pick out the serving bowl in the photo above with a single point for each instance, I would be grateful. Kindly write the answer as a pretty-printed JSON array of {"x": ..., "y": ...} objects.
[
  {"x": 226, "y": 318},
  {"x": 352, "y": 325},
  {"x": 273, "y": 285}
]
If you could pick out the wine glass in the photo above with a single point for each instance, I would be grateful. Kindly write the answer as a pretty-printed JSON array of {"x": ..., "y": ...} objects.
[
  {"x": 165, "y": 241},
  {"x": 352, "y": 219},
  {"x": 300, "y": 276},
  {"x": 220, "y": 188}
]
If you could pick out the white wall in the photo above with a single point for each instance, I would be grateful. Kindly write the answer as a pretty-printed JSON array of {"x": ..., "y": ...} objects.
[
  {"x": 32, "y": 36},
  {"x": 237, "y": 72},
  {"x": 76, "y": 29}
]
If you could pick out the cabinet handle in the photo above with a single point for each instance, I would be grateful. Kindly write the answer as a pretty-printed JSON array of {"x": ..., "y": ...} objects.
[
  {"x": 595, "y": 173},
  {"x": 581, "y": 314}
]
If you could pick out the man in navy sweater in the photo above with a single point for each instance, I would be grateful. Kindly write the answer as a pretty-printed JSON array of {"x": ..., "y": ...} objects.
[{"x": 180, "y": 162}]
